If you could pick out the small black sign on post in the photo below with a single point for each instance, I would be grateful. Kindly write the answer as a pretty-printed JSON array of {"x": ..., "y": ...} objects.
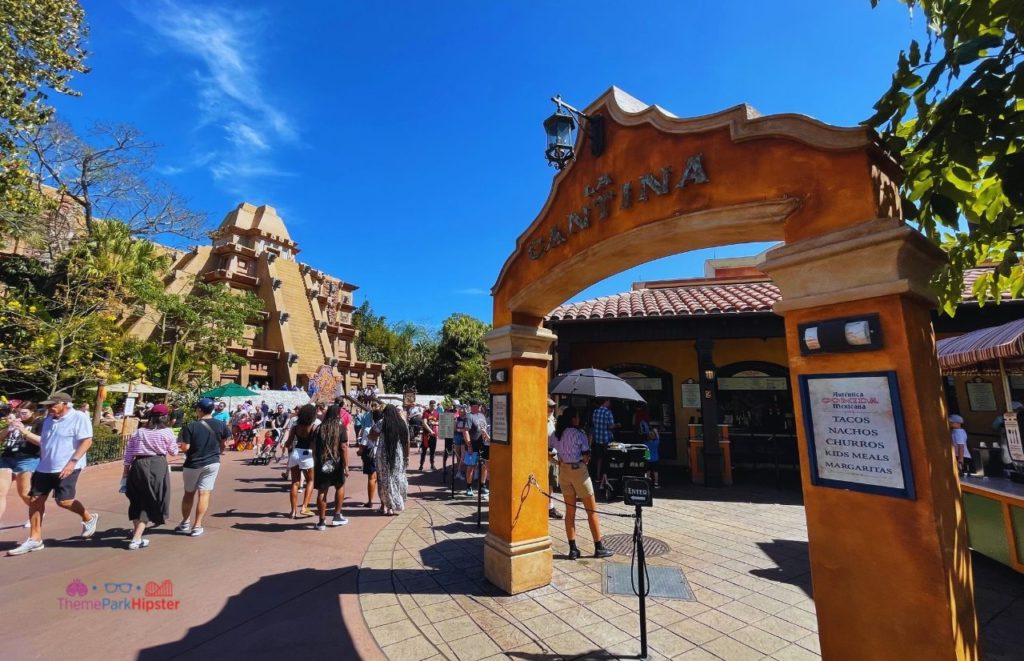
[{"x": 637, "y": 491}]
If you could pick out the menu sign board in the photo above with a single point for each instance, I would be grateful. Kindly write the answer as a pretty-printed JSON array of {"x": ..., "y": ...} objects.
[
  {"x": 752, "y": 383},
  {"x": 1011, "y": 423},
  {"x": 499, "y": 419},
  {"x": 981, "y": 395},
  {"x": 447, "y": 425},
  {"x": 691, "y": 395},
  {"x": 855, "y": 433}
]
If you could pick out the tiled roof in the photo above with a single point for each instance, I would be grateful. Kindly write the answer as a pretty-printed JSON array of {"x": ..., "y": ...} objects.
[{"x": 698, "y": 299}]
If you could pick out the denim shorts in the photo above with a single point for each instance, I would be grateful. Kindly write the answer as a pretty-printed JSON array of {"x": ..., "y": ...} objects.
[{"x": 22, "y": 465}]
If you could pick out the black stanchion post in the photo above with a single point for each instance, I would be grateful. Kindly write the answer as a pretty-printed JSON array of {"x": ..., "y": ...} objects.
[
  {"x": 641, "y": 575},
  {"x": 637, "y": 491},
  {"x": 479, "y": 491}
]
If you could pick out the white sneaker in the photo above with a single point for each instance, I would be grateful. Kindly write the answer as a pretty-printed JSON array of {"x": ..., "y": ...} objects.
[
  {"x": 27, "y": 546},
  {"x": 185, "y": 527},
  {"x": 89, "y": 527},
  {"x": 135, "y": 546},
  {"x": 339, "y": 520}
]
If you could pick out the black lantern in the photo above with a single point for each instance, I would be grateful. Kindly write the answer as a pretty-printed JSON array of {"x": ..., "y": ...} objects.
[{"x": 559, "y": 128}]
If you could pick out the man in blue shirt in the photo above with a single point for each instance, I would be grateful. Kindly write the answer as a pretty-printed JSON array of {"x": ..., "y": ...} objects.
[
  {"x": 221, "y": 412},
  {"x": 64, "y": 439},
  {"x": 602, "y": 426}
]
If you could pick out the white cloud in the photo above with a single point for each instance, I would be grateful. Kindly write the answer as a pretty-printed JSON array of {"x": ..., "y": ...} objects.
[
  {"x": 472, "y": 291},
  {"x": 229, "y": 85}
]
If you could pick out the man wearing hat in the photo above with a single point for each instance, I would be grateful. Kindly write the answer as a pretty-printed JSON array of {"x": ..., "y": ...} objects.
[
  {"x": 476, "y": 437},
  {"x": 64, "y": 439},
  {"x": 202, "y": 441},
  {"x": 963, "y": 455}
]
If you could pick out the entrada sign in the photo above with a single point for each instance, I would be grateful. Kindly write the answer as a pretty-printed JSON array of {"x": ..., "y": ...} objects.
[{"x": 603, "y": 192}]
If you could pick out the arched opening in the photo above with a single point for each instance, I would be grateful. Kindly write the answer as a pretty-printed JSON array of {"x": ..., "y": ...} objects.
[{"x": 666, "y": 185}]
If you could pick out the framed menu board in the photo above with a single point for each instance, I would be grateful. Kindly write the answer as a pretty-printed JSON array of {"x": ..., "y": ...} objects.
[
  {"x": 855, "y": 433},
  {"x": 499, "y": 419},
  {"x": 981, "y": 395}
]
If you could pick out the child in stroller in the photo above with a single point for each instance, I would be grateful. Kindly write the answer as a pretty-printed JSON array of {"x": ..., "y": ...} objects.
[{"x": 266, "y": 449}]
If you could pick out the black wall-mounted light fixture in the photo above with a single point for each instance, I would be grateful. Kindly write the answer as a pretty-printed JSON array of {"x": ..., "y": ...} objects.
[
  {"x": 841, "y": 335},
  {"x": 559, "y": 129},
  {"x": 293, "y": 358},
  {"x": 709, "y": 374},
  {"x": 499, "y": 376}
]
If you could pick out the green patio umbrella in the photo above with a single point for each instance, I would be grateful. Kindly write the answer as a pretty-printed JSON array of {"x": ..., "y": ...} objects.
[{"x": 228, "y": 390}]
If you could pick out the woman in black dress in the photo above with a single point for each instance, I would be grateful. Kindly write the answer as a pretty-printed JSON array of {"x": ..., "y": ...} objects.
[{"x": 330, "y": 453}]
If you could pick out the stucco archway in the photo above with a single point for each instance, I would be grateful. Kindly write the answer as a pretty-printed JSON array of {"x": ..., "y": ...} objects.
[{"x": 666, "y": 185}]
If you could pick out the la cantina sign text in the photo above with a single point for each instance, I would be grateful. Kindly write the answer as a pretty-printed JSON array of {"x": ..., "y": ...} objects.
[{"x": 602, "y": 196}]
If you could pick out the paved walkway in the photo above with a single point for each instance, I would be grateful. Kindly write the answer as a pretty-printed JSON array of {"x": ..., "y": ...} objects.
[
  {"x": 423, "y": 594},
  {"x": 257, "y": 585},
  {"x": 260, "y": 586}
]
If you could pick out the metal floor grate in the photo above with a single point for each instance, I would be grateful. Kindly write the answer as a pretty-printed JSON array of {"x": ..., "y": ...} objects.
[
  {"x": 623, "y": 545},
  {"x": 665, "y": 582}
]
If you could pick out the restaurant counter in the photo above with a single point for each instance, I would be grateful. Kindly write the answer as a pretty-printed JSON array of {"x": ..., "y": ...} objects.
[{"x": 994, "y": 507}]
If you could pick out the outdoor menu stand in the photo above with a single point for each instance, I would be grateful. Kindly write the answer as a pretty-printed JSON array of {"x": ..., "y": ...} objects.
[{"x": 697, "y": 454}]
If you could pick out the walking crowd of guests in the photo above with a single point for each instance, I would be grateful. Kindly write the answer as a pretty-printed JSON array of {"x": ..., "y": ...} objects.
[{"x": 45, "y": 446}]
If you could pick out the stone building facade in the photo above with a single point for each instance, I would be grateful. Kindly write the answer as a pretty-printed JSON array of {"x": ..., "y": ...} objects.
[{"x": 307, "y": 318}]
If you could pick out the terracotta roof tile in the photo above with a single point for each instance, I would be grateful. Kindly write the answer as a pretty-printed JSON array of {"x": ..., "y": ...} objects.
[{"x": 697, "y": 299}]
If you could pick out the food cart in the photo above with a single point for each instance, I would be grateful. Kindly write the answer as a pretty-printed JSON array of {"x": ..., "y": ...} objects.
[{"x": 994, "y": 502}]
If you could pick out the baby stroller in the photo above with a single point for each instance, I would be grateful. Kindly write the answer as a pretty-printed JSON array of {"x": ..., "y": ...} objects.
[
  {"x": 244, "y": 436},
  {"x": 265, "y": 450}
]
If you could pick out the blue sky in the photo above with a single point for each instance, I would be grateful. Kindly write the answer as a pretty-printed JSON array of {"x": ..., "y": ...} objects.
[{"x": 402, "y": 142}]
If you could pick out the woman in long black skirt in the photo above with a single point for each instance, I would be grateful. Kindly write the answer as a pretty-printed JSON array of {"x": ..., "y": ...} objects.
[{"x": 146, "y": 478}]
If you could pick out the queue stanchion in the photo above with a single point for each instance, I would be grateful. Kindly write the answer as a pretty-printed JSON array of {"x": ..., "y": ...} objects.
[
  {"x": 479, "y": 489},
  {"x": 636, "y": 491}
]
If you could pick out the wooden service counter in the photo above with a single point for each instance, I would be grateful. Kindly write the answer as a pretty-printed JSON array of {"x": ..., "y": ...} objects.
[
  {"x": 995, "y": 518},
  {"x": 696, "y": 443}
]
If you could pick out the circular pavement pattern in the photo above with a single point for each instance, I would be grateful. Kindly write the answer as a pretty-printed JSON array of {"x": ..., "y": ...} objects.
[{"x": 623, "y": 545}]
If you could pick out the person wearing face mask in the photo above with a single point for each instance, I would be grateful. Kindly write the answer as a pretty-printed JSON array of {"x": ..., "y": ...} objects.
[{"x": 64, "y": 440}]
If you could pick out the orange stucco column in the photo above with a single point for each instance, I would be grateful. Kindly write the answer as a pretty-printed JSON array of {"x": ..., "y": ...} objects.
[
  {"x": 517, "y": 549},
  {"x": 892, "y": 575}
]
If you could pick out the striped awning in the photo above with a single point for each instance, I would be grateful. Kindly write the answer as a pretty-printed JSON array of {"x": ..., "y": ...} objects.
[{"x": 983, "y": 348}]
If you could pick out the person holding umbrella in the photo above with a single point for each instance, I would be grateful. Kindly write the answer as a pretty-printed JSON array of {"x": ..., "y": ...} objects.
[
  {"x": 573, "y": 456},
  {"x": 602, "y": 430}
]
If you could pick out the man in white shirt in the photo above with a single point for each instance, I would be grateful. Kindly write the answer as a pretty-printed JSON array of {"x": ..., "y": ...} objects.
[{"x": 64, "y": 440}]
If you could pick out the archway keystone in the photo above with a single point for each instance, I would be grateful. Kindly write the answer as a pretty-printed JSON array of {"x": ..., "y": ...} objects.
[{"x": 890, "y": 562}]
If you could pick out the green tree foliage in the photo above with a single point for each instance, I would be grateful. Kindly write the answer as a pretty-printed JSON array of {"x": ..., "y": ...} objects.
[
  {"x": 64, "y": 327},
  {"x": 453, "y": 363},
  {"x": 199, "y": 326},
  {"x": 463, "y": 356},
  {"x": 955, "y": 115},
  {"x": 41, "y": 48}
]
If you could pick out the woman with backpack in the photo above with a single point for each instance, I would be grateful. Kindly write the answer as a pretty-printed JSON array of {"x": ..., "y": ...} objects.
[{"x": 330, "y": 465}]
